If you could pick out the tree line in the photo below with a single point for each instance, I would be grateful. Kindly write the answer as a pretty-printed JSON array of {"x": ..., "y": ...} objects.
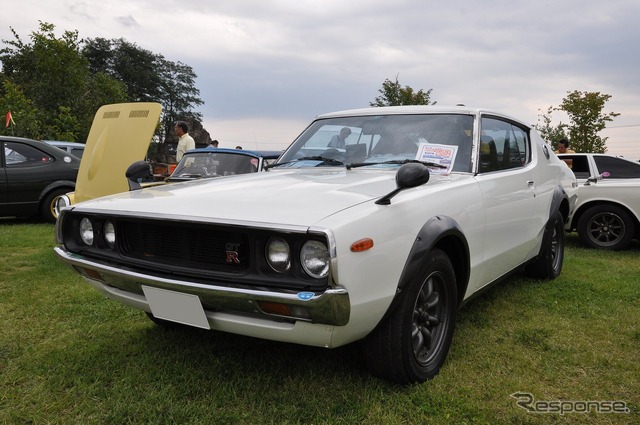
[{"x": 54, "y": 85}]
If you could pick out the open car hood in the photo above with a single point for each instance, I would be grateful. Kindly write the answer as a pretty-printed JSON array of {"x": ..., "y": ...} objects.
[{"x": 120, "y": 135}]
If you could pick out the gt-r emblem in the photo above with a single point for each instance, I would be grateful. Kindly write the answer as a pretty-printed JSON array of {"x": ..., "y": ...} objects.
[{"x": 231, "y": 252}]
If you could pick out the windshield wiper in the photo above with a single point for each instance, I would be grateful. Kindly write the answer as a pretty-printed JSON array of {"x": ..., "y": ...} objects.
[
  {"x": 395, "y": 161},
  {"x": 322, "y": 159}
]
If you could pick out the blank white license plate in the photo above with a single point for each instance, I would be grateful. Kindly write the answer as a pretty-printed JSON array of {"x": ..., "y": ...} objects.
[{"x": 176, "y": 307}]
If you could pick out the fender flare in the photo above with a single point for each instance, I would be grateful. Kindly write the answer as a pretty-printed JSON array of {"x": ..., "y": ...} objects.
[
  {"x": 445, "y": 233},
  {"x": 557, "y": 200},
  {"x": 559, "y": 195},
  {"x": 56, "y": 185}
]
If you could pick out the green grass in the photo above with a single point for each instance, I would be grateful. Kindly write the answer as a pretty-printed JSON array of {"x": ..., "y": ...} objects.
[{"x": 69, "y": 355}]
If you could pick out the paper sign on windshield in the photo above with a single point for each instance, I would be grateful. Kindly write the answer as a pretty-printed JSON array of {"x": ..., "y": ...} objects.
[{"x": 439, "y": 154}]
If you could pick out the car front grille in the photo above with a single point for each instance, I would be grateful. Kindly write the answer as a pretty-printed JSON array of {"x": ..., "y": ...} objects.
[
  {"x": 208, "y": 253},
  {"x": 184, "y": 245}
]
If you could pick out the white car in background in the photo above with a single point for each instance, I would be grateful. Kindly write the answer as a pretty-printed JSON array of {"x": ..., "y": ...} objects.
[
  {"x": 376, "y": 238},
  {"x": 73, "y": 148},
  {"x": 608, "y": 212}
]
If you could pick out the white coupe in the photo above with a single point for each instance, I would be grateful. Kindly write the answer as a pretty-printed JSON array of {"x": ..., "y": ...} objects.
[
  {"x": 607, "y": 215},
  {"x": 374, "y": 226}
]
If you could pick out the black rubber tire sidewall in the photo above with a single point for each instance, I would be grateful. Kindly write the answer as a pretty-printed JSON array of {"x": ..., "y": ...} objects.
[
  {"x": 548, "y": 265},
  {"x": 600, "y": 210},
  {"x": 388, "y": 349}
]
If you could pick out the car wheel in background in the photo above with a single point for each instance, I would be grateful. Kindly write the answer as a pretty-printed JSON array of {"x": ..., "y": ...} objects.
[
  {"x": 606, "y": 227},
  {"x": 48, "y": 207},
  {"x": 411, "y": 344},
  {"x": 548, "y": 265}
]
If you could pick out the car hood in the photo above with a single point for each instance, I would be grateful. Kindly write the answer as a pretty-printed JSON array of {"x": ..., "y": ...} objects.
[
  {"x": 120, "y": 135},
  {"x": 299, "y": 197}
]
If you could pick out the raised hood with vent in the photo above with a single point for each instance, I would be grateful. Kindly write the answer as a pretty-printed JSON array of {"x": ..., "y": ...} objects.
[{"x": 120, "y": 134}]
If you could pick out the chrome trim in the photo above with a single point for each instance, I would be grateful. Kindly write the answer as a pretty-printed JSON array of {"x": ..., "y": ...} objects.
[
  {"x": 58, "y": 229},
  {"x": 61, "y": 199},
  {"x": 332, "y": 307},
  {"x": 193, "y": 219}
]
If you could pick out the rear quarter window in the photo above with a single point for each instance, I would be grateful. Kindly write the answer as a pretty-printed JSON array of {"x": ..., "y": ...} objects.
[{"x": 616, "y": 168}]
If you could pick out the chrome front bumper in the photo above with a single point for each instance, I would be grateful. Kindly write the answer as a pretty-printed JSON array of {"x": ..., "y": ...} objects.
[{"x": 331, "y": 307}]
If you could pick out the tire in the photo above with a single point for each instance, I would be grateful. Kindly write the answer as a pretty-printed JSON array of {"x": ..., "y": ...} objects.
[
  {"x": 548, "y": 265},
  {"x": 412, "y": 342},
  {"x": 606, "y": 227},
  {"x": 47, "y": 208}
]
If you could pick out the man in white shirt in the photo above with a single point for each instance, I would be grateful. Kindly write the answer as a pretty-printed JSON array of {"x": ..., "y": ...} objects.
[{"x": 185, "y": 142}]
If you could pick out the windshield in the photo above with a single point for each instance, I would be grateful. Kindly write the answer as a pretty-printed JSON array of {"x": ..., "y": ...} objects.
[
  {"x": 378, "y": 139},
  {"x": 213, "y": 164}
]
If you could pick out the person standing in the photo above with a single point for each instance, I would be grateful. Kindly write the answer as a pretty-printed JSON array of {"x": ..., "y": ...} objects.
[
  {"x": 213, "y": 144},
  {"x": 185, "y": 141}
]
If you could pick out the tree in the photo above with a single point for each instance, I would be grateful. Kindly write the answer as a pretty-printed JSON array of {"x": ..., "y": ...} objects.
[
  {"x": 53, "y": 85},
  {"x": 552, "y": 134},
  {"x": 24, "y": 113},
  {"x": 393, "y": 94},
  {"x": 178, "y": 94},
  {"x": 586, "y": 120},
  {"x": 139, "y": 69},
  {"x": 148, "y": 77},
  {"x": 55, "y": 78}
]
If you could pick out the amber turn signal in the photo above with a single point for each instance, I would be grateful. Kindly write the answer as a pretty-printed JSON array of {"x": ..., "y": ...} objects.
[{"x": 362, "y": 245}]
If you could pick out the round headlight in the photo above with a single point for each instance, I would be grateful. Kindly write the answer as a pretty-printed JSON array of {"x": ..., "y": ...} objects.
[
  {"x": 314, "y": 256},
  {"x": 110, "y": 234},
  {"x": 86, "y": 231},
  {"x": 278, "y": 254}
]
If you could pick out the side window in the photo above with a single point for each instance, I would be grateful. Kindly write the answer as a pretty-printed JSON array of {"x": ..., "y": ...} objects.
[
  {"x": 503, "y": 145},
  {"x": 77, "y": 152},
  {"x": 579, "y": 164},
  {"x": 21, "y": 155},
  {"x": 616, "y": 168}
]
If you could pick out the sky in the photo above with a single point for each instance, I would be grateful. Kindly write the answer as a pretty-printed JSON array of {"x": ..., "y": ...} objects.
[{"x": 266, "y": 68}]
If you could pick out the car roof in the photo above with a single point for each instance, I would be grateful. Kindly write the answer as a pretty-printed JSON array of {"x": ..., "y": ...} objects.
[
  {"x": 560, "y": 155},
  {"x": 417, "y": 109},
  {"x": 256, "y": 154},
  {"x": 51, "y": 150},
  {"x": 63, "y": 143}
]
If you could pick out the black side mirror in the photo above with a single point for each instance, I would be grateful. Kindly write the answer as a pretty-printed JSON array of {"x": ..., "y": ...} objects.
[
  {"x": 593, "y": 179},
  {"x": 137, "y": 172},
  {"x": 409, "y": 175}
]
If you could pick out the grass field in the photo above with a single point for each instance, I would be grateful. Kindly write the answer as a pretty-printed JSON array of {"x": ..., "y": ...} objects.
[{"x": 69, "y": 355}]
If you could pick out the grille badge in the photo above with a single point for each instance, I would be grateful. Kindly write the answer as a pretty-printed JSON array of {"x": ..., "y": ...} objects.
[{"x": 231, "y": 252}]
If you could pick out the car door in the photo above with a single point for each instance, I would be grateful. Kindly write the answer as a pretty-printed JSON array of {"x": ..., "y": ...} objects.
[
  {"x": 3, "y": 183},
  {"x": 508, "y": 190},
  {"x": 28, "y": 171},
  {"x": 619, "y": 183}
]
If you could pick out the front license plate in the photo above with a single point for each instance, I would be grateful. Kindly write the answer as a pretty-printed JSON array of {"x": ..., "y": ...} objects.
[{"x": 176, "y": 307}]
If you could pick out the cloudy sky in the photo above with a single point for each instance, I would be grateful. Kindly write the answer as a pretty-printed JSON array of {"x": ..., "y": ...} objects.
[{"x": 267, "y": 67}]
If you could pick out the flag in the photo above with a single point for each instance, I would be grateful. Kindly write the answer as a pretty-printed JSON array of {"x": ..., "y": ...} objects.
[{"x": 9, "y": 120}]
